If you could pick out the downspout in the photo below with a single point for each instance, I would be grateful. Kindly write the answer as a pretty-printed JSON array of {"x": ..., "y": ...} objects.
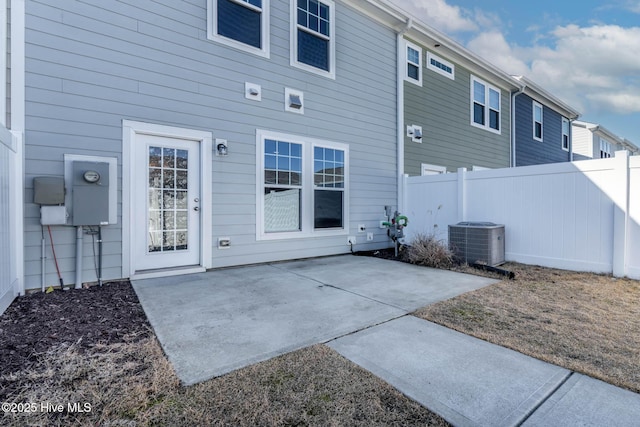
[
  {"x": 513, "y": 124},
  {"x": 400, "y": 61}
]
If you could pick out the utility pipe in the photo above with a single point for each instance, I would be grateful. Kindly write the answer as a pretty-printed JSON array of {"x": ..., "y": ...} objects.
[
  {"x": 79, "y": 243},
  {"x": 99, "y": 256},
  {"x": 43, "y": 260}
]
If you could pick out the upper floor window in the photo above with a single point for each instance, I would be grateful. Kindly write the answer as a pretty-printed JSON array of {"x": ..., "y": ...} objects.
[
  {"x": 243, "y": 24},
  {"x": 313, "y": 41},
  {"x": 537, "y": 121},
  {"x": 605, "y": 149},
  {"x": 485, "y": 105},
  {"x": 565, "y": 134},
  {"x": 413, "y": 62},
  {"x": 440, "y": 66}
]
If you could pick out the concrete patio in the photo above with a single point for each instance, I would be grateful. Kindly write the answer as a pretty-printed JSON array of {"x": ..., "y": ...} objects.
[{"x": 215, "y": 322}]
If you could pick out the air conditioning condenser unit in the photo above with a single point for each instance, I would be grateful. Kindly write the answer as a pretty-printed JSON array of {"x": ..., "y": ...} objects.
[{"x": 478, "y": 242}]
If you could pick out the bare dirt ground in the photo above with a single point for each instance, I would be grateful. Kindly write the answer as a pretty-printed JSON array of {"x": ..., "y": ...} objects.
[
  {"x": 585, "y": 322},
  {"x": 93, "y": 351}
]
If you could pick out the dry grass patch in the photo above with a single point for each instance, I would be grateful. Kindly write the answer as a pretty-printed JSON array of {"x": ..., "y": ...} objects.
[
  {"x": 133, "y": 385},
  {"x": 585, "y": 322}
]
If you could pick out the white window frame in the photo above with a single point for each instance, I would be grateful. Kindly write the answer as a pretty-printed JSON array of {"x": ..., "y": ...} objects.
[
  {"x": 451, "y": 75},
  {"x": 565, "y": 122},
  {"x": 487, "y": 110},
  {"x": 437, "y": 169},
  {"x": 536, "y": 105},
  {"x": 293, "y": 40},
  {"x": 307, "y": 227},
  {"x": 212, "y": 28},
  {"x": 408, "y": 44}
]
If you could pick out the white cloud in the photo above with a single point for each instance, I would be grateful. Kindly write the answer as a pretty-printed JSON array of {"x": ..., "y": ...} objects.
[
  {"x": 590, "y": 67},
  {"x": 621, "y": 102},
  {"x": 440, "y": 15},
  {"x": 493, "y": 47},
  {"x": 634, "y": 6}
]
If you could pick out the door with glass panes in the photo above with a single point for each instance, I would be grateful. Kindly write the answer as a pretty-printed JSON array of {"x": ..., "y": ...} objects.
[{"x": 166, "y": 203}]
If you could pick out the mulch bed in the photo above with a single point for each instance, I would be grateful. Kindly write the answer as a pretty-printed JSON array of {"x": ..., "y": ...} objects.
[{"x": 35, "y": 323}]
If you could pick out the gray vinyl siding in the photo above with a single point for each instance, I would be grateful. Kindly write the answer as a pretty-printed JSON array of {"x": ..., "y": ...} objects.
[
  {"x": 92, "y": 64},
  {"x": 443, "y": 108},
  {"x": 533, "y": 152}
]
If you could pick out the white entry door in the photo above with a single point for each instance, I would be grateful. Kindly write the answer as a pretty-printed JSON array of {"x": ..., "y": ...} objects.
[{"x": 166, "y": 203}]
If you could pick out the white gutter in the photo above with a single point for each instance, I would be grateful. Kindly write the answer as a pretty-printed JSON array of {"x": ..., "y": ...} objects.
[{"x": 400, "y": 61}]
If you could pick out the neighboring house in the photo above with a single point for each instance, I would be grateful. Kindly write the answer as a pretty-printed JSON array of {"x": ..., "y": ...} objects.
[
  {"x": 222, "y": 132},
  {"x": 592, "y": 141},
  {"x": 542, "y": 126},
  {"x": 457, "y": 110}
]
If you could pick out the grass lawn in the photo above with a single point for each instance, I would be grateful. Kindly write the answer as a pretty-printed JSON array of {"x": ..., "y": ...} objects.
[{"x": 585, "y": 322}]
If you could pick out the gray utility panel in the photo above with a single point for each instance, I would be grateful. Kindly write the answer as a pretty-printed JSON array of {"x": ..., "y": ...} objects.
[
  {"x": 48, "y": 190},
  {"x": 90, "y": 193}
]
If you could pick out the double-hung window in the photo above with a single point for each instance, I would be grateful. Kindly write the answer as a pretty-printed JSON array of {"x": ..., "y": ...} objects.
[
  {"x": 537, "y": 121},
  {"x": 485, "y": 105},
  {"x": 328, "y": 184},
  {"x": 243, "y": 24},
  {"x": 302, "y": 187},
  {"x": 565, "y": 134},
  {"x": 313, "y": 36},
  {"x": 413, "y": 61}
]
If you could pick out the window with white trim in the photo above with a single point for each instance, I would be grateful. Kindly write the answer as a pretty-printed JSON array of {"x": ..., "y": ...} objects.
[
  {"x": 243, "y": 24},
  {"x": 302, "y": 186},
  {"x": 537, "y": 121},
  {"x": 440, "y": 66},
  {"x": 312, "y": 38},
  {"x": 413, "y": 71},
  {"x": 485, "y": 105},
  {"x": 605, "y": 149},
  {"x": 565, "y": 134}
]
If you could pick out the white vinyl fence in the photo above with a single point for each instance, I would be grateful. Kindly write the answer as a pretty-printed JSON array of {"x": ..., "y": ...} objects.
[
  {"x": 9, "y": 185},
  {"x": 581, "y": 216}
]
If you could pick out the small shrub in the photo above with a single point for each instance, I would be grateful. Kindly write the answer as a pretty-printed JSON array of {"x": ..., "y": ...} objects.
[{"x": 428, "y": 251}]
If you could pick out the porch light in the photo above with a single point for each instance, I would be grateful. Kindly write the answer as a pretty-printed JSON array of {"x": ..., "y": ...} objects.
[{"x": 221, "y": 147}]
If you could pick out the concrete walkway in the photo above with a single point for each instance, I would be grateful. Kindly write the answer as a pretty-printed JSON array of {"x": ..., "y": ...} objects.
[
  {"x": 215, "y": 322},
  {"x": 471, "y": 382},
  {"x": 212, "y": 323}
]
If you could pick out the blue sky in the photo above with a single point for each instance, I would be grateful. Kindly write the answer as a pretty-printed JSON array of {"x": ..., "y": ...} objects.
[{"x": 586, "y": 53}]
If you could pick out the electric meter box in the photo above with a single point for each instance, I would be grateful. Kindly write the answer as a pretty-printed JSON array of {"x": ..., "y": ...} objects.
[{"x": 90, "y": 193}]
